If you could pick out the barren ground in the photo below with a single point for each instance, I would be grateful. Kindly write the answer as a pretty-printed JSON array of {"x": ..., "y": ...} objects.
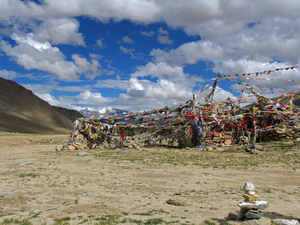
[{"x": 132, "y": 188}]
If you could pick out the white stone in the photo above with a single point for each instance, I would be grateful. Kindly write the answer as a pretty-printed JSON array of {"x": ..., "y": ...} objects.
[
  {"x": 82, "y": 153},
  {"x": 254, "y": 205},
  {"x": 248, "y": 187},
  {"x": 250, "y": 193},
  {"x": 285, "y": 222}
]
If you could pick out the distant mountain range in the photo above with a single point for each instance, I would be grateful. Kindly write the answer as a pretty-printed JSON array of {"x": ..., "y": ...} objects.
[{"x": 102, "y": 112}]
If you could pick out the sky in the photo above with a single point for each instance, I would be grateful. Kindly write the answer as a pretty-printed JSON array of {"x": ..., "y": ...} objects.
[{"x": 146, "y": 54}]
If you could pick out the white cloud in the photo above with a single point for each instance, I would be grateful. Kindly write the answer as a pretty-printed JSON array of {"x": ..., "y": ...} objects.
[
  {"x": 49, "y": 87},
  {"x": 127, "y": 39},
  {"x": 190, "y": 53},
  {"x": 160, "y": 70},
  {"x": 59, "y": 31},
  {"x": 32, "y": 54},
  {"x": 163, "y": 37},
  {"x": 166, "y": 71},
  {"x": 230, "y": 67},
  {"x": 148, "y": 34},
  {"x": 90, "y": 70},
  {"x": 49, "y": 98},
  {"x": 135, "y": 85},
  {"x": 99, "y": 43},
  {"x": 29, "y": 39},
  {"x": 128, "y": 51},
  {"x": 49, "y": 60},
  {"x": 95, "y": 99},
  {"x": 9, "y": 74},
  {"x": 160, "y": 91},
  {"x": 113, "y": 83},
  {"x": 219, "y": 95}
]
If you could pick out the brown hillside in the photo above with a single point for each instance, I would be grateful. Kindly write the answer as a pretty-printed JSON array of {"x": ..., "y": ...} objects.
[
  {"x": 22, "y": 111},
  {"x": 296, "y": 100}
]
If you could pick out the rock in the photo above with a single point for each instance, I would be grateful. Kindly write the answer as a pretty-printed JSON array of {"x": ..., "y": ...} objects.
[
  {"x": 253, "y": 215},
  {"x": 285, "y": 222},
  {"x": 48, "y": 163},
  {"x": 240, "y": 216},
  {"x": 173, "y": 201},
  {"x": 228, "y": 142},
  {"x": 288, "y": 153},
  {"x": 82, "y": 153},
  {"x": 248, "y": 187},
  {"x": 8, "y": 196},
  {"x": 57, "y": 148},
  {"x": 229, "y": 150},
  {"x": 258, "y": 147},
  {"x": 232, "y": 216},
  {"x": 250, "y": 198},
  {"x": 252, "y": 150},
  {"x": 76, "y": 146},
  {"x": 256, "y": 205},
  {"x": 209, "y": 148},
  {"x": 71, "y": 148},
  {"x": 25, "y": 163},
  {"x": 261, "y": 221},
  {"x": 124, "y": 151},
  {"x": 255, "y": 151}
]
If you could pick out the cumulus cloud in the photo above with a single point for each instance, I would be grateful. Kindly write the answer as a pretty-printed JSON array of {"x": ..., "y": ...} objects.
[
  {"x": 95, "y": 99},
  {"x": 32, "y": 54},
  {"x": 160, "y": 70},
  {"x": 189, "y": 53},
  {"x": 50, "y": 59},
  {"x": 90, "y": 70},
  {"x": 59, "y": 31}
]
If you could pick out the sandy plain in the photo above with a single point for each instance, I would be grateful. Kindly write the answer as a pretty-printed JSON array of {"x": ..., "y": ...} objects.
[{"x": 104, "y": 187}]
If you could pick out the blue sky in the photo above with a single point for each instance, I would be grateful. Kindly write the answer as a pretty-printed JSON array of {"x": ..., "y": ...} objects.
[{"x": 138, "y": 54}]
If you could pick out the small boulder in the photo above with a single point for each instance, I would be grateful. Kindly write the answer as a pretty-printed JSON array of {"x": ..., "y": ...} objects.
[
  {"x": 25, "y": 163},
  {"x": 82, "y": 153},
  {"x": 232, "y": 216},
  {"x": 71, "y": 148},
  {"x": 173, "y": 201}
]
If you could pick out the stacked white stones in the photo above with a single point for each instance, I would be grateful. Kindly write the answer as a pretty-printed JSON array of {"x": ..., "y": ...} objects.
[{"x": 250, "y": 207}]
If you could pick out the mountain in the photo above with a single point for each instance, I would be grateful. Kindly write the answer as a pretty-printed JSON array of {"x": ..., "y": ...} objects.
[
  {"x": 69, "y": 113},
  {"x": 104, "y": 111},
  {"x": 22, "y": 111},
  {"x": 296, "y": 100}
]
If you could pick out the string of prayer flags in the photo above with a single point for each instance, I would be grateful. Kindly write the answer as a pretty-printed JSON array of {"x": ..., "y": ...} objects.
[
  {"x": 272, "y": 79},
  {"x": 267, "y": 72}
]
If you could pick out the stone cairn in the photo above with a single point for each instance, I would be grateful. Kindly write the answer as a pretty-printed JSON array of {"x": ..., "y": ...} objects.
[{"x": 250, "y": 207}]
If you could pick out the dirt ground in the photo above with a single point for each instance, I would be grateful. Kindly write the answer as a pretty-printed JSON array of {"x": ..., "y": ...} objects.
[{"x": 104, "y": 187}]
